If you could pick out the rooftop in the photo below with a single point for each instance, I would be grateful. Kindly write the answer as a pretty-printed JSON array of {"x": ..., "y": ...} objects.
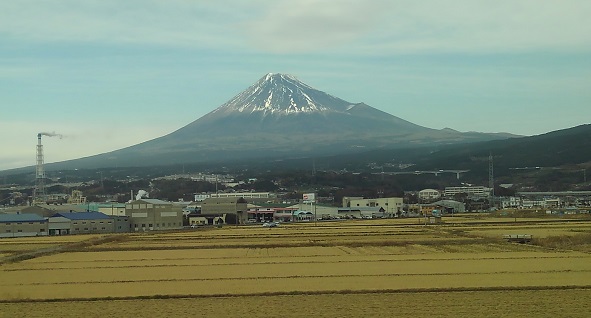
[
  {"x": 20, "y": 217},
  {"x": 82, "y": 215},
  {"x": 152, "y": 201}
]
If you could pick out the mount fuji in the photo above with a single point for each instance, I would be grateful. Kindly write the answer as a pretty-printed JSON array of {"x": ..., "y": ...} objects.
[{"x": 279, "y": 117}]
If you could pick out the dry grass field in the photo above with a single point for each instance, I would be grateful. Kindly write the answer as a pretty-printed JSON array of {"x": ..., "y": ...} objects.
[{"x": 332, "y": 269}]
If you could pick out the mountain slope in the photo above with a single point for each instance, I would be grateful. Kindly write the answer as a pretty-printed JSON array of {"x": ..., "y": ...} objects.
[
  {"x": 279, "y": 116},
  {"x": 561, "y": 147},
  {"x": 279, "y": 102}
]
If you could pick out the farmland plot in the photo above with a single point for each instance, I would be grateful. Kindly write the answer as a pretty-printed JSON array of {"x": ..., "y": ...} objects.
[
  {"x": 530, "y": 303},
  {"x": 338, "y": 264}
]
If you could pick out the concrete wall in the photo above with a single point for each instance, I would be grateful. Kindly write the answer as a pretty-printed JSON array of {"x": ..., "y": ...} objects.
[
  {"x": 390, "y": 205},
  {"x": 92, "y": 226},
  {"x": 121, "y": 224},
  {"x": 112, "y": 210},
  {"x": 145, "y": 216},
  {"x": 59, "y": 225},
  {"x": 21, "y": 229},
  {"x": 237, "y": 207}
]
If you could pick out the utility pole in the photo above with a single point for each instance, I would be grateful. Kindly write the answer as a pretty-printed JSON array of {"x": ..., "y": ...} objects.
[{"x": 491, "y": 181}]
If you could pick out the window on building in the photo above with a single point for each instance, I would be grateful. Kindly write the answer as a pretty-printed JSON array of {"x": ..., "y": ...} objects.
[
  {"x": 157, "y": 224},
  {"x": 85, "y": 229},
  {"x": 144, "y": 225},
  {"x": 83, "y": 222},
  {"x": 19, "y": 223},
  {"x": 150, "y": 225},
  {"x": 41, "y": 230},
  {"x": 19, "y": 230},
  {"x": 74, "y": 222},
  {"x": 102, "y": 228},
  {"x": 7, "y": 223},
  {"x": 8, "y": 231},
  {"x": 30, "y": 222},
  {"x": 135, "y": 225},
  {"x": 77, "y": 229}
]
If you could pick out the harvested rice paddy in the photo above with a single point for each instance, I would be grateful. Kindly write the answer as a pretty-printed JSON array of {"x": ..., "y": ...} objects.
[{"x": 332, "y": 269}]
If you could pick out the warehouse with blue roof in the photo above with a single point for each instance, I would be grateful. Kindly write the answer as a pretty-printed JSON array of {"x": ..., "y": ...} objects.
[{"x": 22, "y": 224}]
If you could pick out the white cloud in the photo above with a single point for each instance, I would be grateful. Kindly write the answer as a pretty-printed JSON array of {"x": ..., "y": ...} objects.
[
  {"x": 390, "y": 27},
  {"x": 485, "y": 26},
  {"x": 281, "y": 26},
  {"x": 313, "y": 25},
  {"x": 178, "y": 23}
]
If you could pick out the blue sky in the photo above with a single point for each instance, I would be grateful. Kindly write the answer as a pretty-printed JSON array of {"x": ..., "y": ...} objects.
[{"x": 110, "y": 74}]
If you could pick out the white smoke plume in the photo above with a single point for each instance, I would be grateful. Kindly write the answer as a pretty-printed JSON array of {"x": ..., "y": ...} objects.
[
  {"x": 51, "y": 134},
  {"x": 142, "y": 194}
]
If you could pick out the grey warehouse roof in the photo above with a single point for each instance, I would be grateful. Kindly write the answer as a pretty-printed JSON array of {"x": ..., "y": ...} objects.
[
  {"x": 83, "y": 215},
  {"x": 21, "y": 217},
  {"x": 152, "y": 201}
]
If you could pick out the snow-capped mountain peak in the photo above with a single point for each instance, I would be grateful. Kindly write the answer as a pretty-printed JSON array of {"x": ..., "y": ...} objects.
[{"x": 282, "y": 94}]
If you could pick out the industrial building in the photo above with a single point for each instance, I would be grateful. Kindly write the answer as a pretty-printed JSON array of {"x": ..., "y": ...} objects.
[
  {"x": 59, "y": 225},
  {"x": 22, "y": 224},
  {"x": 83, "y": 223},
  {"x": 153, "y": 215},
  {"x": 113, "y": 209},
  {"x": 39, "y": 210},
  {"x": 231, "y": 210}
]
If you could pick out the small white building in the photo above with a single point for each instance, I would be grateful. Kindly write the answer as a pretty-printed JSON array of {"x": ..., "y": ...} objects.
[
  {"x": 201, "y": 197},
  {"x": 478, "y": 191},
  {"x": 528, "y": 204},
  {"x": 429, "y": 194},
  {"x": 246, "y": 195},
  {"x": 510, "y": 202},
  {"x": 392, "y": 206}
]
